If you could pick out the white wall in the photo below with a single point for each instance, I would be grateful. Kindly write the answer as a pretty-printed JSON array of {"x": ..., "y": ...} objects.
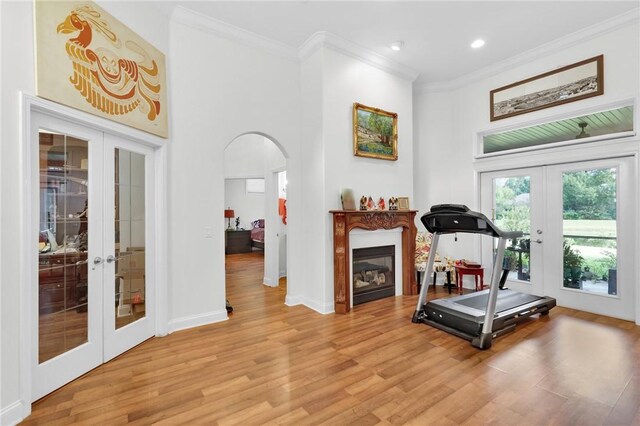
[
  {"x": 17, "y": 74},
  {"x": 448, "y": 120},
  {"x": 245, "y": 157},
  {"x": 220, "y": 90},
  {"x": 331, "y": 165},
  {"x": 247, "y": 206}
]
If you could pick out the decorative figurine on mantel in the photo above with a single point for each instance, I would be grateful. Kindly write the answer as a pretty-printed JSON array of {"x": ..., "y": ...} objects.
[
  {"x": 370, "y": 204},
  {"x": 238, "y": 223},
  {"x": 381, "y": 205},
  {"x": 393, "y": 203},
  {"x": 363, "y": 203}
]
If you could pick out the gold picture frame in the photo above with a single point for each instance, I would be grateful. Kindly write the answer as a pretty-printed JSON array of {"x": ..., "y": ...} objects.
[
  {"x": 570, "y": 83},
  {"x": 403, "y": 203},
  {"x": 375, "y": 133}
]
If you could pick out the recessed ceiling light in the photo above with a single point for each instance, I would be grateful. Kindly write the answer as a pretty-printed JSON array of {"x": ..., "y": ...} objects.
[
  {"x": 477, "y": 43},
  {"x": 397, "y": 45}
]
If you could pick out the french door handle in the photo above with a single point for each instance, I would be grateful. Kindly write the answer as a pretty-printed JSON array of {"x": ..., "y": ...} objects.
[
  {"x": 97, "y": 261},
  {"x": 539, "y": 241},
  {"x": 111, "y": 259}
]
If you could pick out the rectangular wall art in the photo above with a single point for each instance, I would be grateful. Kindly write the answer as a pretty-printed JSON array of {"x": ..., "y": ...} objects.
[
  {"x": 573, "y": 82},
  {"x": 87, "y": 59},
  {"x": 375, "y": 133}
]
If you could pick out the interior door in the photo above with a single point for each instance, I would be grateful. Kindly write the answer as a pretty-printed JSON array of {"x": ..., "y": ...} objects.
[
  {"x": 590, "y": 246},
  {"x": 67, "y": 336},
  {"x": 129, "y": 314},
  {"x": 514, "y": 200},
  {"x": 93, "y": 243}
]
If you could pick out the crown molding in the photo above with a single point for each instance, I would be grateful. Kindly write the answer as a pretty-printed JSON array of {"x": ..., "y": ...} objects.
[
  {"x": 331, "y": 41},
  {"x": 222, "y": 29},
  {"x": 320, "y": 39},
  {"x": 612, "y": 24}
]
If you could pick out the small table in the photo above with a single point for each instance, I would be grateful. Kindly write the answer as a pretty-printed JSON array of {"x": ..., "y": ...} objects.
[
  {"x": 461, "y": 271},
  {"x": 237, "y": 241}
]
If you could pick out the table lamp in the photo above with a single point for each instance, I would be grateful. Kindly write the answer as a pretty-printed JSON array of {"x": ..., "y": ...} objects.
[{"x": 228, "y": 213}]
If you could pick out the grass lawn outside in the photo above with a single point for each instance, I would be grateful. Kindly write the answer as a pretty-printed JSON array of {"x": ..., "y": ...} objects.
[{"x": 590, "y": 228}]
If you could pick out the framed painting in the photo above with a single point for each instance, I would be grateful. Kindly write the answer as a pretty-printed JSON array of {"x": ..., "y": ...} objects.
[
  {"x": 88, "y": 60},
  {"x": 570, "y": 83},
  {"x": 375, "y": 133}
]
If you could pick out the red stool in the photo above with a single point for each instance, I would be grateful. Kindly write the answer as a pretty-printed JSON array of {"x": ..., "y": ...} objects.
[{"x": 461, "y": 271}]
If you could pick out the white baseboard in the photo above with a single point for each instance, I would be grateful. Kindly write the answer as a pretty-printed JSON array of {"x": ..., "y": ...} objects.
[
  {"x": 322, "y": 308},
  {"x": 282, "y": 274},
  {"x": 268, "y": 282},
  {"x": 14, "y": 413},
  {"x": 293, "y": 300},
  {"x": 196, "y": 320}
]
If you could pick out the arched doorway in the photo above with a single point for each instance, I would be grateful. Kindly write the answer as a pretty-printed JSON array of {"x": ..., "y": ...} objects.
[{"x": 255, "y": 213}]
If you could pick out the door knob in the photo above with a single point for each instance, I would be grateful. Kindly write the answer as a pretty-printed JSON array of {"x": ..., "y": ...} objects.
[
  {"x": 111, "y": 259},
  {"x": 539, "y": 231},
  {"x": 539, "y": 241},
  {"x": 97, "y": 261}
]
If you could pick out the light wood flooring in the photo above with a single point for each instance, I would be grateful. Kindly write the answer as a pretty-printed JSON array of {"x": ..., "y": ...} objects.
[{"x": 273, "y": 364}]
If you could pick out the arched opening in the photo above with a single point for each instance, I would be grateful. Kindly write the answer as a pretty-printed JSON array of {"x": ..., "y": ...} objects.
[{"x": 255, "y": 197}]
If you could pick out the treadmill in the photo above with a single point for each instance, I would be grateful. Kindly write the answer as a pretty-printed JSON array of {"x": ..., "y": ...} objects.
[{"x": 481, "y": 316}]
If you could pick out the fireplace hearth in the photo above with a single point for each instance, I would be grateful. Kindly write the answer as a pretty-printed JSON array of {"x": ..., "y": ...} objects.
[{"x": 373, "y": 273}]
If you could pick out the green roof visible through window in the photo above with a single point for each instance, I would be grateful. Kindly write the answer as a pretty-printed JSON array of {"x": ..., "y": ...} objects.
[{"x": 601, "y": 123}]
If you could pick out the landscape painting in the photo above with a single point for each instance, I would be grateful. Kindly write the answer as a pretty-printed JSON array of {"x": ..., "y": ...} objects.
[
  {"x": 573, "y": 82},
  {"x": 375, "y": 133}
]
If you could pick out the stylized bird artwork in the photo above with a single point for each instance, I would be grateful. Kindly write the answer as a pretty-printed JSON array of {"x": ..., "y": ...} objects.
[{"x": 112, "y": 84}]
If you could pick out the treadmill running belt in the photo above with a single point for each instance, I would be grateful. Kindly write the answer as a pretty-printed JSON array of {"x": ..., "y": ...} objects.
[{"x": 506, "y": 300}]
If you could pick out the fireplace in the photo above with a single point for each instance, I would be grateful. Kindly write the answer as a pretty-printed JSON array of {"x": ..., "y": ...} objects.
[{"x": 373, "y": 273}]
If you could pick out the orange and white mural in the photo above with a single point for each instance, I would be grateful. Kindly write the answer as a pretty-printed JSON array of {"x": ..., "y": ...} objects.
[{"x": 88, "y": 60}]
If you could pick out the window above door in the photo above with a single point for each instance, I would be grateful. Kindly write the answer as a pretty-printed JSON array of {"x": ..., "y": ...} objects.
[{"x": 605, "y": 123}]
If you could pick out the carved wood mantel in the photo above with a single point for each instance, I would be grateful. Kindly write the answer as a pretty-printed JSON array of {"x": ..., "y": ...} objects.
[{"x": 343, "y": 222}]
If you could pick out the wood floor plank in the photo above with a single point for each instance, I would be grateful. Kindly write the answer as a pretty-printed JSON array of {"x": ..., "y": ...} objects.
[{"x": 279, "y": 365}]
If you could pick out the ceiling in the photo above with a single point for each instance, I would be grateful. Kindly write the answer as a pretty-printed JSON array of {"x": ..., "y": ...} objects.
[{"x": 436, "y": 34}]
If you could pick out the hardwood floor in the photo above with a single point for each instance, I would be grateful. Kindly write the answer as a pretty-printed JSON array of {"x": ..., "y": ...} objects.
[{"x": 273, "y": 364}]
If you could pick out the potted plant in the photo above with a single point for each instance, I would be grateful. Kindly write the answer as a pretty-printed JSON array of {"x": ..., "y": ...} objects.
[{"x": 572, "y": 266}]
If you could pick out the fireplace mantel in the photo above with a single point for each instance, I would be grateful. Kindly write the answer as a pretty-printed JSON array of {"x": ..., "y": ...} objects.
[{"x": 346, "y": 220}]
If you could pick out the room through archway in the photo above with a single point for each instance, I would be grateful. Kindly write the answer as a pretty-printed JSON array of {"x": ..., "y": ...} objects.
[{"x": 255, "y": 200}]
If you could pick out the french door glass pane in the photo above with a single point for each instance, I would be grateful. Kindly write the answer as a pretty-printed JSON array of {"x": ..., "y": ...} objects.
[
  {"x": 62, "y": 244},
  {"x": 512, "y": 212},
  {"x": 129, "y": 237},
  {"x": 589, "y": 230}
]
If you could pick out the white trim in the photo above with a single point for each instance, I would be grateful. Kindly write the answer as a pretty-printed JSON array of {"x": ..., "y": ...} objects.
[
  {"x": 321, "y": 308},
  {"x": 26, "y": 274},
  {"x": 317, "y": 40},
  {"x": 32, "y": 103},
  {"x": 293, "y": 300},
  {"x": 268, "y": 282},
  {"x": 615, "y": 23},
  {"x": 162, "y": 226},
  {"x": 14, "y": 413},
  {"x": 222, "y": 29},
  {"x": 331, "y": 41},
  {"x": 197, "y": 320}
]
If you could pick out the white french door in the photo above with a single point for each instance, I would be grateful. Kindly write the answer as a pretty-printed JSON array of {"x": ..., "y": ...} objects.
[
  {"x": 93, "y": 297},
  {"x": 580, "y": 228},
  {"x": 514, "y": 200},
  {"x": 592, "y": 227}
]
